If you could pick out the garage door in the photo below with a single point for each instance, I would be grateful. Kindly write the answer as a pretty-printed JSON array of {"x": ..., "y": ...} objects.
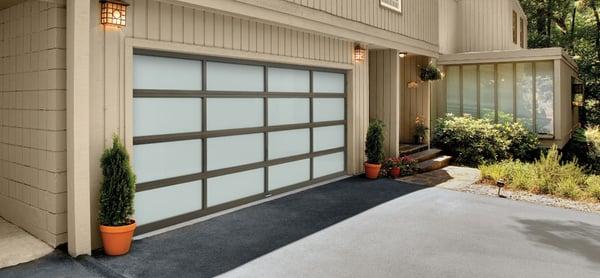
[{"x": 211, "y": 134}]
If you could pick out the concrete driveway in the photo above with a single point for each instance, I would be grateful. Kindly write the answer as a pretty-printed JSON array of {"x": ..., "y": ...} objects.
[
  {"x": 440, "y": 233},
  {"x": 360, "y": 228}
]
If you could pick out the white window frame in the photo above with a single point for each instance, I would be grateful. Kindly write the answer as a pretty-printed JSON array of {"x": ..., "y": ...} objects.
[{"x": 385, "y": 4}]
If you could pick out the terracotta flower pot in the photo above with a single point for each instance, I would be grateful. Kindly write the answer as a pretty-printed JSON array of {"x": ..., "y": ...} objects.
[
  {"x": 117, "y": 239},
  {"x": 372, "y": 170},
  {"x": 395, "y": 172}
]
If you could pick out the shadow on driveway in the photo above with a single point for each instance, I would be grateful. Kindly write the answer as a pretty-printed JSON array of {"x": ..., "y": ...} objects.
[
  {"x": 225, "y": 242},
  {"x": 577, "y": 237}
]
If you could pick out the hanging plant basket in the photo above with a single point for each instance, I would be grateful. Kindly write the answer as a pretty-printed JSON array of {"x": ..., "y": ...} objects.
[{"x": 430, "y": 73}]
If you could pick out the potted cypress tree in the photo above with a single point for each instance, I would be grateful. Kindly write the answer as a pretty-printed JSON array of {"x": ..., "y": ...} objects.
[
  {"x": 374, "y": 149},
  {"x": 116, "y": 200}
]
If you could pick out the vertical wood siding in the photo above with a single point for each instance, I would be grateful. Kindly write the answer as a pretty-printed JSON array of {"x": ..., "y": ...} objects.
[
  {"x": 358, "y": 116},
  {"x": 413, "y": 102},
  {"x": 418, "y": 18},
  {"x": 384, "y": 101}
]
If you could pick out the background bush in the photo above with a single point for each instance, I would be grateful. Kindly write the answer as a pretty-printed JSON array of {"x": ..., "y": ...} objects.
[
  {"x": 585, "y": 148},
  {"x": 474, "y": 142}
]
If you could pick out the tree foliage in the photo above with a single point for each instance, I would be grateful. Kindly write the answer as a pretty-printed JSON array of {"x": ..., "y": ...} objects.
[
  {"x": 574, "y": 26},
  {"x": 374, "y": 142}
]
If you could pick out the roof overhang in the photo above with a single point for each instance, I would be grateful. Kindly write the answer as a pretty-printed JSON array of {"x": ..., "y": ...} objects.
[
  {"x": 9, "y": 3},
  {"x": 521, "y": 55}
]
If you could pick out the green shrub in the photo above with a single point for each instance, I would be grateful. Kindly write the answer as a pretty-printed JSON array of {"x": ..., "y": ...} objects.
[
  {"x": 592, "y": 112},
  {"x": 569, "y": 188},
  {"x": 585, "y": 148},
  {"x": 118, "y": 186},
  {"x": 593, "y": 187},
  {"x": 517, "y": 174},
  {"x": 374, "y": 142},
  {"x": 476, "y": 142}
]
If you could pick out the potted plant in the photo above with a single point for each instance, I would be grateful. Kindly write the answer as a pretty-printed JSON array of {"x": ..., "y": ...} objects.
[
  {"x": 420, "y": 130},
  {"x": 407, "y": 165},
  {"x": 392, "y": 166},
  {"x": 374, "y": 149},
  {"x": 116, "y": 200},
  {"x": 430, "y": 73}
]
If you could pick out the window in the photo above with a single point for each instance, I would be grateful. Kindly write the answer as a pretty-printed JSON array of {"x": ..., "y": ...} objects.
[
  {"x": 395, "y": 5},
  {"x": 515, "y": 27},
  {"x": 522, "y": 33},
  {"x": 504, "y": 92}
]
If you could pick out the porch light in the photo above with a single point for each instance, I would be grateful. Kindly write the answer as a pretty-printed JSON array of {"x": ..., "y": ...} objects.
[
  {"x": 402, "y": 54},
  {"x": 360, "y": 54},
  {"x": 500, "y": 184},
  {"x": 113, "y": 13}
]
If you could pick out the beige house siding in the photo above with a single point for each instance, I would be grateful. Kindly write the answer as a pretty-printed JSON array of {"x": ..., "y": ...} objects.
[
  {"x": 413, "y": 102},
  {"x": 169, "y": 27},
  {"x": 33, "y": 163},
  {"x": 448, "y": 26},
  {"x": 417, "y": 19},
  {"x": 564, "y": 122}
]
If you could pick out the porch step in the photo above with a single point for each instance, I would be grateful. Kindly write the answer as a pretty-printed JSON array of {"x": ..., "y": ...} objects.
[
  {"x": 426, "y": 155},
  {"x": 408, "y": 149},
  {"x": 434, "y": 164}
]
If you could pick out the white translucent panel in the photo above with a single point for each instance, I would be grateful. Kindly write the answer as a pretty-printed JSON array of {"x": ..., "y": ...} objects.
[
  {"x": 287, "y": 174},
  {"x": 228, "y": 113},
  {"x": 165, "y": 202},
  {"x": 328, "y": 109},
  {"x": 544, "y": 97},
  {"x": 288, "y": 80},
  {"x": 234, "y": 77},
  {"x": 285, "y": 111},
  {"x": 151, "y": 72},
  {"x": 328, "y": 164},
  {"x": 289, "y": 143},
  {"x": 330, "y": 137},
  {"x": 166, "y": 160},
  {"x": 231, "y": 187},
  {"x": 506, "y": 82},
  {"x": 525, "y": 93},
  {"x": 453, "y": 90},
  {"x": 328, "y": 82},
  {"x": 469, "y": 89},
  {"x": 152, "y": 116},
  {"x": 230, "y": 151},
  {"x": 486, "y": 92}
]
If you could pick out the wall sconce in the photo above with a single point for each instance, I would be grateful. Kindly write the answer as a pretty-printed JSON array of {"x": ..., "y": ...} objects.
[
  {"x": 413, "y": 84},
  {"x": 402, "y": 54},
  {"x": 360, "y": 54},
  {"x": 113, "y": 13}
]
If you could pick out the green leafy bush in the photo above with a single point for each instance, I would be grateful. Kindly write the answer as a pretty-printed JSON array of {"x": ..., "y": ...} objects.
[
  {"x": 592, "y": 112},
  {"x": 118, "y": 186},
  {"x": 584, "y": 146},
  {"x": 374, "y": 142},
  {"x": 474, "y": 142},
  {"x": 593, "y": 187}
]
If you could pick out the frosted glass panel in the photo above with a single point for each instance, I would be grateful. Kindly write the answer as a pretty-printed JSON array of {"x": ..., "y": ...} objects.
[
  {"x": 289, "y": 80},
  {"x": 505, "y": 93},
  {"x": 165, "y": 202},
  {"x": 289, "y": 143},
  {"x": 328, "y": 82},
  {"x": 328, "y": 164},
  {"x": 228, "y": 188},
  {"x": 228, "y": 113},
  {"x": 453, "y": 91},
  {"x": 544, "y": 97},
  {"x": 285, "y": 111},
  {"x": 328, "y": 109},
  {"x": 525, "y": 93},
  {"x": 486, "y": 92},
  {"x": 150, "y": 72},
  {"x": 229, "y": 151},
  {"x": 469, "y": 90},
  {"x": 166, "y": 160},
  {"x": 329, "y": 137},
  {"x": 234, "y": 77},
  {"x": 287, "y": 174},
  {"x": 152, "y": 116}
]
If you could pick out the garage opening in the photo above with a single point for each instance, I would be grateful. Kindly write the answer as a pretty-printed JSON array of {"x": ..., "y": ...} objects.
[{"x": 211, "y": 134}]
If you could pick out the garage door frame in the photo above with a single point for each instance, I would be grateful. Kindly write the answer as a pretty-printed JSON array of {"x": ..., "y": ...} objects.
[{"x": 264, "y": 129}]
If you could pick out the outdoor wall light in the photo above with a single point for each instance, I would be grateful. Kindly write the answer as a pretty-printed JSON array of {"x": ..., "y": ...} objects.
[
  {"x": 360, "y": 54},
  {"x": 500, "y": 183},
  {"x": 402, "y": 54},
  {"x": 113, "y": 13}
]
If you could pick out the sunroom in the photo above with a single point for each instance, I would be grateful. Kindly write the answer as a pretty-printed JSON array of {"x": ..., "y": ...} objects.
[{"x": 531, "y": 86}]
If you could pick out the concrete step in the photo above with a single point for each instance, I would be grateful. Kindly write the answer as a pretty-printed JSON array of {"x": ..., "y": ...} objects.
[
  {"x": 408, "y": 149},
  {"x": 434, "y": 164},
  {"x": 426, "y": 155}
]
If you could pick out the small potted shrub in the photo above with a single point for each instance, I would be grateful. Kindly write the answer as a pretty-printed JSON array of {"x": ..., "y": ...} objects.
[
  {"x": 407, "y": 165},
  {"x": 374, "y": 149},
  {"x": 392, "y": 166},
  {"x": 116, "y": 200},
  {"x": 430, "y": 73},
  {"x": 420, "y": 130}
]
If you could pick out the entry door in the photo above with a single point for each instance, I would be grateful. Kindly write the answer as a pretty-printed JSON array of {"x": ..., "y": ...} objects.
[{"x": 211, "y": 134}]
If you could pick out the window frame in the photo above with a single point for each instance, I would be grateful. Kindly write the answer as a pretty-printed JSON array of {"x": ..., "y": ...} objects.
[{"x": 515, "y": 27}]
